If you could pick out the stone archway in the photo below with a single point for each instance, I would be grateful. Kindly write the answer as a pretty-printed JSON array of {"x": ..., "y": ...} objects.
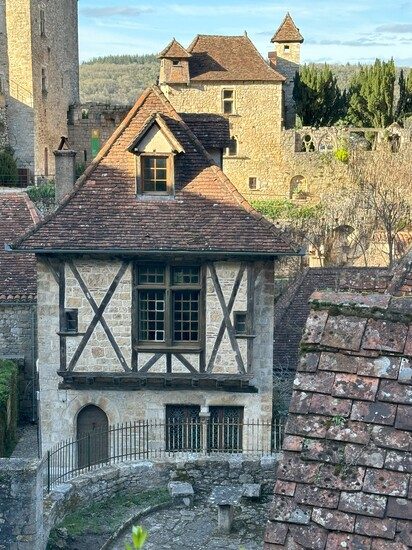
[{"x": 92, "y": 432}]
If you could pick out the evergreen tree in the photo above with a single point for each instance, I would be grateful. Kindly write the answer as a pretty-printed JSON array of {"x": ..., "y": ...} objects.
[
  {"x": 404, "y": 106},
  {"x": 318, "y": 99},
  {"x": 371, "y": 95}
]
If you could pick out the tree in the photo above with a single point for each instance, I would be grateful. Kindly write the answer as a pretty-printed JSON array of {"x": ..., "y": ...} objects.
[
  {"x": 318, "y": 99},
  {"x": 371, "y": 95},
  {"x": 384, "y": 179},
  {"x": 404, "y": 105}
]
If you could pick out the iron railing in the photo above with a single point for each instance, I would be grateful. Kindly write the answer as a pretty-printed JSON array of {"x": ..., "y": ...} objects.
[{"x": 157, "y": 440}]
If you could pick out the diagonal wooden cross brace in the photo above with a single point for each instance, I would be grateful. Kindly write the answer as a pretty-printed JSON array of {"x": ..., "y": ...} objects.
[
  {"x": 98, "y": 316},
  {"x": 226, "y": 323}
]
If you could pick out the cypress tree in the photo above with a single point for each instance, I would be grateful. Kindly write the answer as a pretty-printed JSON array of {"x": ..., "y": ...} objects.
[
  {"x": 318, "y": 99},
  {"x": 371, "y": 95}
]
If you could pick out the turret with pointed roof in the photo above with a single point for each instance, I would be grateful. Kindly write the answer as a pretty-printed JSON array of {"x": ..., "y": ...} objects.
[
  {"x": 288, "y": 31},
  {"x": 174, "y": 64}
]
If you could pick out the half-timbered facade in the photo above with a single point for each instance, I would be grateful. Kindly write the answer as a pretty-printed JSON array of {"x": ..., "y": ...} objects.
[{"x": 155, "y": 285}]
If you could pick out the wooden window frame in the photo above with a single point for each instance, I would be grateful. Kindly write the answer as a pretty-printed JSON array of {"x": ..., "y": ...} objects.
[
  {"x": 169, "y": 344},
  {"x": 236, "y": 315},
  {"x": 170, "y": 172},
  {"x": 76, "y": 317},
  {"x": 231, "y": 100}
]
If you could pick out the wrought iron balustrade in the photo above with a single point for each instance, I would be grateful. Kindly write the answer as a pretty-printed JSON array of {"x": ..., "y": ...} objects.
[{"x": 157, "y": 440}]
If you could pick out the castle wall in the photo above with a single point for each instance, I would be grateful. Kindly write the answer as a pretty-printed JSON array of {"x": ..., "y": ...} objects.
[{"x": 59, "y": 407}]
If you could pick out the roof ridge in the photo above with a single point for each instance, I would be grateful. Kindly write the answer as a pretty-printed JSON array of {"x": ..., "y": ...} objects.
[{"x": 32, "y": 209}]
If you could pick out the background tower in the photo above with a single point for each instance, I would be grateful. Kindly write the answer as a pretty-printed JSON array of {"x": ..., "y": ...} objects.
[
  {"x": 286, "y": 58},
  {"x": 42, "y": 79}
]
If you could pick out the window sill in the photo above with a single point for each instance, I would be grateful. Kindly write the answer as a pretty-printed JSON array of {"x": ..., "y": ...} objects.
[
  {"x": 167, "y": 349},
  {"x": 70, "y": 333},
  {"x": 245, "y": 336},
  {"x": 149, "y": 197},
  {"x": 235, "y": 157}
]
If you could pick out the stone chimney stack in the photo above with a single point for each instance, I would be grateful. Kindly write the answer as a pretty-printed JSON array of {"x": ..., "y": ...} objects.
[
  {"x": 272, "y": 59},
  {"x": 65, "y": 169}
]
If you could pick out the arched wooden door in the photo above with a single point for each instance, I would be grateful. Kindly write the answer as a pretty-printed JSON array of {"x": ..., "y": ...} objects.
[{"x": 92, "y": 436}]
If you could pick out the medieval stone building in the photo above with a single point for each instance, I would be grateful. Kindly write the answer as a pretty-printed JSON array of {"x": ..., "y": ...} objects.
[
  {"x": 155, "y": 285},
  {"x": 39, "y": 80}
]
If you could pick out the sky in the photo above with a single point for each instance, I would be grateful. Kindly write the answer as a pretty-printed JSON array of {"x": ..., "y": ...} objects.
[{"x": 335, "y": 32}]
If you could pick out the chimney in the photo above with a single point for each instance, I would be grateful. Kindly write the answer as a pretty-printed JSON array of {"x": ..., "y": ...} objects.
[
  {"x": 65, "y": 169},
  {"x": 272, "y": 59}
]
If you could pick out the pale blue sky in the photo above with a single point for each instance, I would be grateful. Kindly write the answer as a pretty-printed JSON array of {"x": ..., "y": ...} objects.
[{"x": 349, "y": 31}]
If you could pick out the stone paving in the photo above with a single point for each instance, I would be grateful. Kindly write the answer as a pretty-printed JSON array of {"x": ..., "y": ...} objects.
[
  {"x": 27, "y": 444},
  {"x": 196, "y": 528}
]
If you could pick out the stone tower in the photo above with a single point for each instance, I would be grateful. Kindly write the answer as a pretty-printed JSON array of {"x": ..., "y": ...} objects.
[
  {"x": 40, "y": 69},
  {"x": 174, "y": 64},
  {"x": 286, "y": 59}
]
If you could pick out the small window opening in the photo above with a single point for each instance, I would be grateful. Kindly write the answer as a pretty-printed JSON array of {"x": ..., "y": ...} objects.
[
  {"x": 240, "y": 318},
  {"x": 43, "y": 80},
  {"x": 71, "y": 320},
  {"x": 228, "y": 99},
  {"x": 286, "y": 48},
  {"x": 231, "y": 151},
  {"x": 85, "y": 155},
  {"x": 42, "y": 23},
  {"x": 253, "y": 183},
  {"x": 176, "y": 62}
]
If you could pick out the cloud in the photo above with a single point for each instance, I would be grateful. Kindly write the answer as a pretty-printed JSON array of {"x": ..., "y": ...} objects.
[
  {"x": 115, "y": 11},
  {"x": 397, "y": 27},
  {"x": 228, "y": 9},
  {"x": 359, "y": 42}
]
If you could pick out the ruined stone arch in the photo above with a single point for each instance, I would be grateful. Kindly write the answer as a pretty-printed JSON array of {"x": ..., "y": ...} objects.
[
  {"x": 82, "y": 401},
  {"x": 297, "y": 185}
]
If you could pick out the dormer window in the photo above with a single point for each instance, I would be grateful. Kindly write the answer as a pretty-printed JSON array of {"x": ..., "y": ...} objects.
[{"x": 155, "y": 148}]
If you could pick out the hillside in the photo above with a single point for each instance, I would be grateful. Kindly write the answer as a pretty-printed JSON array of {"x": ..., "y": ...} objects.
[{"x": 120, "y": 79}]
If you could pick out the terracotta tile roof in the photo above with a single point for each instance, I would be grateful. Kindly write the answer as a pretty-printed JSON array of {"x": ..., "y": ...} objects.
[
  {"x": 17, "y": 271},
  {"x": 344, "y": 478},
  {"x": 212, "y": 130},
  {"x": 287, "y": 32},
  {"x": 174, "y": 50},
  {"x": 103, "y": 213},
  {"x": 401, "y": 283},
  {"x": 228, "y": 58},
  {"x": 292, "y": 309}
]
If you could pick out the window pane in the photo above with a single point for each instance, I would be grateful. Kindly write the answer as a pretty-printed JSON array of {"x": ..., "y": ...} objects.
[
  {"x": 154, "y": 174},
  {"x": 240, "y": 323},
  {"x": 151, "y": 274},
  {"x": 160, "y": 162},
  {"x": 227, "y": 94},
  {"x": 228, "y": 107},
  {"x": 185, "y": 275},
  {"x": 185, "y": 315},
  {"x": 151, "y": 315}
]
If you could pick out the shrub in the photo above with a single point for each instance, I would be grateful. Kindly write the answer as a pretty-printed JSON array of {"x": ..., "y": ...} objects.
[
  {"x": 342, "y": 154},
  {"x": 43, "y": 196},
  {"x": 9, "y": 174},
  {"x": 8, "y": 406}
]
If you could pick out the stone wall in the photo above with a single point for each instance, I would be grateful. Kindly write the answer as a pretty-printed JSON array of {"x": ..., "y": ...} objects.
[
  {"x": 92, "y": 119},
  {"x": 256, "y": 125},
  {"x": 59, "y": 408},
  {"x": 21, "y": 505},
  {"x": 18, "y": 342},
  {"x": 203, "y": 474}
]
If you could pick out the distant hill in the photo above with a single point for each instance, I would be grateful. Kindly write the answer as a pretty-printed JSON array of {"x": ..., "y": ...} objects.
[{"x": 120, "y": 79}]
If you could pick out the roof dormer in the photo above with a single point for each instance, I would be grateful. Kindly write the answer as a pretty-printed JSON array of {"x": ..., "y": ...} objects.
[
  {"x": 174, "y": 64},
  {"x": 155, "y": 148}
]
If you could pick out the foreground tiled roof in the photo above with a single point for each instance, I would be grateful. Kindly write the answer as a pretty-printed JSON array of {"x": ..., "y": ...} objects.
[
  {"x": 17, "y": 271},
  {"x": 228, "y": 58},
  {"x": 207, "y": 214},
  {"x": 212, "y": 130},
  {"x": 344, "y": 478},
  {"x": 292, "y": 309},
  {"x": 287, "y": 32}
]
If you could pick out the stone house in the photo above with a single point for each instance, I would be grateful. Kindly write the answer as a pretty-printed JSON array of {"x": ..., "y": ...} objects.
[
  {"x": 155, "y": 285},
  {"x": 39, "y": 80},
  {"x": 18, "y": 299}
]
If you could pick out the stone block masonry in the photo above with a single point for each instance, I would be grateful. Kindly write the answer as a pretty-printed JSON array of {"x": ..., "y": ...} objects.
[
  {"x": 344, "y": 480},
  {"x": 21, "y": 505}
]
